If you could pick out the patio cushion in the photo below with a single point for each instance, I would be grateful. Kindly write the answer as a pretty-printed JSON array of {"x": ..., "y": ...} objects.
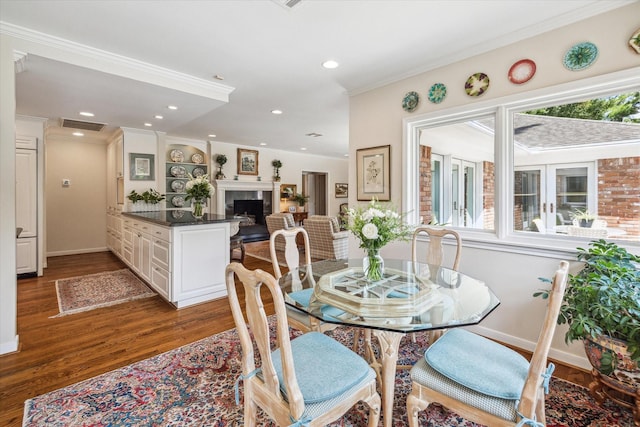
[
  {"x": 324, "y": 368},
  {"x": 479, "y": 364}
]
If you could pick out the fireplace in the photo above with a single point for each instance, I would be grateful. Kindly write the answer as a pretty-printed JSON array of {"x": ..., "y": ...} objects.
[{"x": 246, "y": 198}]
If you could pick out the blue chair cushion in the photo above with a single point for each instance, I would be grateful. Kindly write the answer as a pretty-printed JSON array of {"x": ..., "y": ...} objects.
[
  {"x": 479, "y": 364},
  {"x": 324, "y": 367},
  {"x": 302, "y": 297}
]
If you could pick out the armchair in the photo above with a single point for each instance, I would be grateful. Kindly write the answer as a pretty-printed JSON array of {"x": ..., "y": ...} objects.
[
  {"x": 279, "y": 221},
  {"x": 325, "y": 238}
]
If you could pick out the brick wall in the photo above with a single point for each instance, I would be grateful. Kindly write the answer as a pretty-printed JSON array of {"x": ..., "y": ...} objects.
[
  {"x": 488, "y": 195},
  {"x": 424, "y": 169},
  {"x": 619, "y": 194}
]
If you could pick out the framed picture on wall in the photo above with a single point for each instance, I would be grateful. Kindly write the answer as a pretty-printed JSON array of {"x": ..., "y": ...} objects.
[
  {"x": 142, "y": 167},
  {"x": 342, "y": 190},
  {"x": 247, "y": 162},
  {"x": 372, "y": 166}
]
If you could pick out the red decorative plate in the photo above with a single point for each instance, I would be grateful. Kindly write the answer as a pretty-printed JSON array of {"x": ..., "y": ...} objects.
[{"x": 522, "y": 71}]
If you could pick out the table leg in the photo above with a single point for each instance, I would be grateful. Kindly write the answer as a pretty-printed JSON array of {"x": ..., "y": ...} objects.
[{"x": 389, "y": 345}]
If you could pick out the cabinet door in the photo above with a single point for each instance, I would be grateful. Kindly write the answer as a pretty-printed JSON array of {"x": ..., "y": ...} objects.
[
  {"x": 27, "y": 192},
  {"x": 137, "y": 250},
  {"x": 161, "y": 253},
  {"x": 145, "y": 256},
  {"x": 26, "y": 260}
]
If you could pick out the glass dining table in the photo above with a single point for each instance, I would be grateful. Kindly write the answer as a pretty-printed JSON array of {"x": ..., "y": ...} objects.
[{"x": 411, "y": 297}]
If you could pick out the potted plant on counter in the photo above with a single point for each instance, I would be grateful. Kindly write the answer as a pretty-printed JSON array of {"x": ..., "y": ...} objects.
[{"x": 601, "y": 306}]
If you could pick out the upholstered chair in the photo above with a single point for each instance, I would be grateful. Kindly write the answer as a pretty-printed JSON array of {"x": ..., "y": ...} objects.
[
  {"x": 484, "y": 381},
  {"x": 279, "y": 221},
  {"x": 311, "y": 380},
  {"x": 325, "y": 238}
]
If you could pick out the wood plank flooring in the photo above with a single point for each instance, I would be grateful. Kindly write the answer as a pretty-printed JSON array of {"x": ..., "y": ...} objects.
[{"x": 56, "y": 352}]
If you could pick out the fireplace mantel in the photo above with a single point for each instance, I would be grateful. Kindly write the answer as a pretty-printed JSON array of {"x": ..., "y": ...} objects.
[{"x": 222, "y": 186}]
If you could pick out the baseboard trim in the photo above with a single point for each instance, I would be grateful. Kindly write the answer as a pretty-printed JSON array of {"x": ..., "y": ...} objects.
[{"x": 77, "y": 251}]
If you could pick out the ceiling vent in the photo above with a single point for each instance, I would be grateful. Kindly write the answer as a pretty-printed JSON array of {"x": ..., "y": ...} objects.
[
  {"x": 287, "y": 4},
  {"x": 77, "y": 124}
]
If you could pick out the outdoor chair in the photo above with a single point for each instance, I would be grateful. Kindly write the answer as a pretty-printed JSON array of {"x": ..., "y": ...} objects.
[
  {"x": 486, "y": 382},
  {"x": 311, "y": 380}
]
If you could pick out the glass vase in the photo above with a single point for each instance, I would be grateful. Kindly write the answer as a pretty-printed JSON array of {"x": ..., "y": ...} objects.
[
  {"x": 198, "y": 208},
  {"x": 373, "y": 265}
]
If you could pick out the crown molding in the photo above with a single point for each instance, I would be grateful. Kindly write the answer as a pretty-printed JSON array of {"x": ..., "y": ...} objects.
[{"x": 125, "y": 66}]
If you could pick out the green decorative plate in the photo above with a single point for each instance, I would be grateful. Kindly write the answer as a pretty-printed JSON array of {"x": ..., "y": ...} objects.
[
  {"x": 410, "y": 101},
  {"x": 476, "y": 84},
  {"x": 580, "y": 56},
  {"x": 437, "y": 93}
]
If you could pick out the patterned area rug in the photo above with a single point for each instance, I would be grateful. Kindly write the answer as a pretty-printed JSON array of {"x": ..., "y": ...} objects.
[
  {"x": 194, "y": 386},
  {"x": 84, "y": 293}
]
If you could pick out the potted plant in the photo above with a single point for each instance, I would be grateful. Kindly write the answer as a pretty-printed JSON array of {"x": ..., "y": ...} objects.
[
  {"x": 221, "y": 159},
  {"x": 300, "y": 200},
  {"x": 601, "y": 306},
  {"x": 584, "y": 217},
  {"x": 277, "y": 164}
]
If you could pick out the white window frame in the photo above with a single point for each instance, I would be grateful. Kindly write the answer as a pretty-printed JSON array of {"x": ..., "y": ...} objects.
[{"x": 503, "y": 237}]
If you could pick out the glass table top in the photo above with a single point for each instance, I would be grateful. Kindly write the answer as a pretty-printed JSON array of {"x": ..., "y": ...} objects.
[{"x": 410, "y": 297}]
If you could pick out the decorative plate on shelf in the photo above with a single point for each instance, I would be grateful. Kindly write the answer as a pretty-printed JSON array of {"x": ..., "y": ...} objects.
[
  {"x": 580, "y": 56},
  {"x": 476, "y": 84},
  {"x": 178, "y": 171},
  {"x": 177, "y": 186},
  {"x": 522, "y": 71},
  {"x": 177, "y": 214},
  {"x": 197, "y": 158},
  {"x": 437, "y": 92},
  {"x": 197, "y": 172},
  {"x": 177, "y": 156},
  {"x": 410, "y": 101},
  {"x": 177, "y": 201}
]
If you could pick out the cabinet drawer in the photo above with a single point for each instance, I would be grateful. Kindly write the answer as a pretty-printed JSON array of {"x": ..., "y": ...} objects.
[
  {"x": 160, "y": 280},
  {"x": 161, "y": 253},
  {"x": 127, "y": 254},
  {"x": 127, "y": 235},
  {"x": 158, "y": 232}
]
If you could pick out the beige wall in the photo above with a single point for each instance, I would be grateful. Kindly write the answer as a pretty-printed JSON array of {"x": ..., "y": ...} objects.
[
  {"x": 75, "y": 220},
  {"x": 376, "y": 118}
]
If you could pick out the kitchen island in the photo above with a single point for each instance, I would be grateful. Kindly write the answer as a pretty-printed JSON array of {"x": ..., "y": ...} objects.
[{"x": 181, "y": 258}]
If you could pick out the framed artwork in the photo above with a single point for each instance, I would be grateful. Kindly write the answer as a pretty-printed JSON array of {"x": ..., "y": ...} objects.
[
  {"x": 372, "y": 166},
  {"x": 247, "y": 162},
  {"x": 287, "y": 191},
  {"x": 142, "y": 167},
  {"x": 342, "y": 190}
]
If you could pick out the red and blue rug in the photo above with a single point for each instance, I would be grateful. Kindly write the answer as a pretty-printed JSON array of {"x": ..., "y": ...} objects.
[{"x": 194, "y": 386}]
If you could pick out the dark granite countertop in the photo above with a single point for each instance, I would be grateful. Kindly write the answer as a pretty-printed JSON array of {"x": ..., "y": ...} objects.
[{"x": 178, "y": 218}]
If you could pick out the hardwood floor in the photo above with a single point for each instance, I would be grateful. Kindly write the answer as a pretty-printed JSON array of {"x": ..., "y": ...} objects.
[{"x": 56, "y": 352}]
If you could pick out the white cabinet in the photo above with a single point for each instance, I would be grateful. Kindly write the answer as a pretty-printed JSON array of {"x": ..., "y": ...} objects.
[
  {"x": 185, "y": 264},
  {"x": 27, "y": 205}
]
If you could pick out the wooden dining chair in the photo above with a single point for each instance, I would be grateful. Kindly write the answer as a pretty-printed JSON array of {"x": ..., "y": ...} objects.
[
  {"x": 311, "y": 380},
  {"x": 435, "y": 250},
  {"x": 486, "y": 382},
  {"x": 297, "y": 318}
]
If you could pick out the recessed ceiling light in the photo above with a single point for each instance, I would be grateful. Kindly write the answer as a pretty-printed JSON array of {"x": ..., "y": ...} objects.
[
  {"x": 276, "y": 111},
  {"x": 86, "y": 114},
  {"x": 330, "y": 64},
  {"x": 148, "y": 125},
  {"x": 304, "y": 148},
  {"x": 172, "y": 107},
  {"x": 346, "y": 155},
  {"x": 218, "y": 77},
  {"x": 212, "y": 135},
  {"x": 78, "y": 134},
  {"x": 158, "y": 116},
  {"x": 263, "y": 144}
]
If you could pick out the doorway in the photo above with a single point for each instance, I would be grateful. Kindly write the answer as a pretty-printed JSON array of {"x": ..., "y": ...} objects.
[{"x": 314, "y": 184}]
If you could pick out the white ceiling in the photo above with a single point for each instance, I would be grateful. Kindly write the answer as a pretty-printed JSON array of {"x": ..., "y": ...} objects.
[{"x": 268, "y": 54}]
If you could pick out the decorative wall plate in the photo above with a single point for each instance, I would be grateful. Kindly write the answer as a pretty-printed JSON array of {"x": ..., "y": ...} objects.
[
  {"x": 634, "y": 41},
  {"x": 580, "y": 56},
  {"x": 177, "y": 214},
  {"x": 410, "y": 101},
  {"x": 178, "y": 171},
  {"x": 197, "y": 158},
  {"x": 197, "y": 172},
  {"x": 177, "y": 201},
  {"x": 522, "y": 71},
  {"x": 177, "y": 186},
  {"x": 177, "y": 156},
  {"x": 437, "y": 93},
  {"x": 476, "y": 84}
]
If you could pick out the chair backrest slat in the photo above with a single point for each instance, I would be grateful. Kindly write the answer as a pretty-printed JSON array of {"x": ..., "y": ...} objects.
[
  {"x": 291, "y": 253},
  {"x": 435, "y": 250}
]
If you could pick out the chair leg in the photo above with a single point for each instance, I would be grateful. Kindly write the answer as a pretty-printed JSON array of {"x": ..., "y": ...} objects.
[
  {"x": 374, "y": 403},
  {"x": 250, "y": 412},
  {"x": 414, "y": 406}
]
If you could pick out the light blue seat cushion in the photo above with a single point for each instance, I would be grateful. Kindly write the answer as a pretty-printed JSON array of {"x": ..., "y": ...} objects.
[
  {"x": 303, "y": 298},
  {"x": 479, "y": 364},
  {"x": 324, "y": 368}
]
